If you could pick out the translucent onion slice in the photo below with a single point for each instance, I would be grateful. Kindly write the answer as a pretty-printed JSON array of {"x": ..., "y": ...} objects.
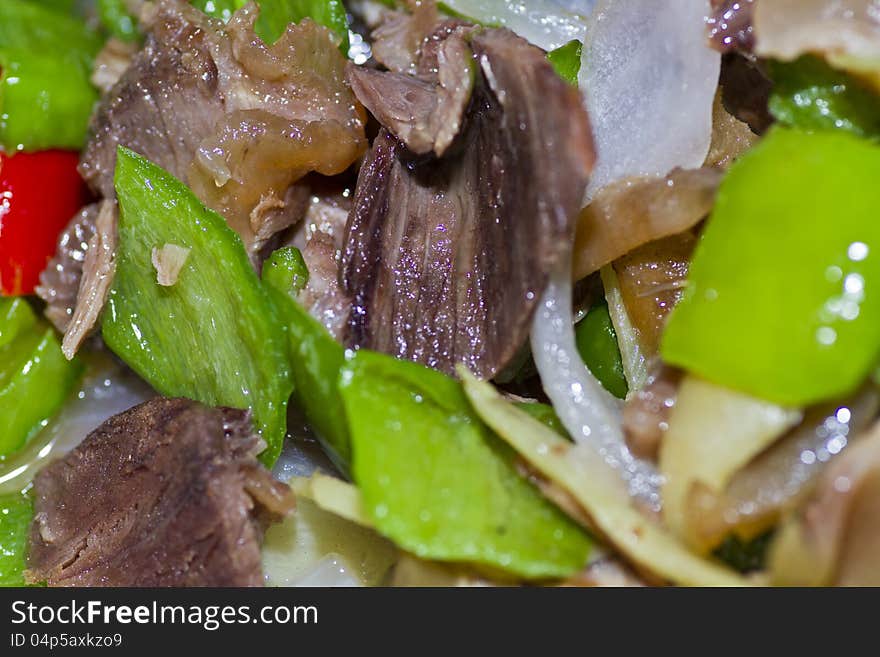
[
  {"x": 589, "y": 412},
  {"x": 548, "y": 24},
  {"x": 713, "y": 432},
  {"x": 314, "y": 547},
  {"x": 779, "y": 478},
  {"x": 834, "y": 538},
  {"x": 576, "y": 468},
  {"x": 649, "y": 80}
]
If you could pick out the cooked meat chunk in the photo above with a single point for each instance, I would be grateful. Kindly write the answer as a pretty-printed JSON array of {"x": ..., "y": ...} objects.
[
  {"x": 632, "y": 212},
  {"x": 446, "y": 257},
  {"x": 730, "y": 25},
  {"x": 746, "y": 91},
  {"x": 169, "y": 493},
  {"x": 164, "y": 104},
  {"x": 59, "y": 281},
  {"x": 423, "y": 107},
  {"x": 323, "y": 296},
  {"x": 398, "y": 40},
  {"x": 730, "y": 136},
  {"x": 646, "y": 413},
  {"x": 319, "y": 238},
  {"x": 652, "y": 280},
  {"x": 99, "y": 267},
  {"x": 238, "y": 120}
]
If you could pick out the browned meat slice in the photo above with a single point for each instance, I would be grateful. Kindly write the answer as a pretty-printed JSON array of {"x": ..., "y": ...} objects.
[
  {"x": 99, "y": 267},
  {"x": 59, "y": 282},
  {"x": 646, "y": 412},
  {"x": 652, "y": 280},
  {"x": 446, "y": 257},
  {"x": 746, "y": 91},
  {"x": 164, "y": 104},
  {"x": 730, "y": 25},
  {"x": 169, "y": 493},
  {"x": 323, "y": 296},
  {"x": 730, "y": 136},
  {"x": 630, "y": 213},
  {"x": 319, "y": 238},
  {"x": 238, "y": 120},
  {"x": 398, "y": 40}
]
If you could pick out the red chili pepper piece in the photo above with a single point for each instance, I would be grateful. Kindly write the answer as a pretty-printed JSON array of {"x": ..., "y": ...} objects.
[{"x": 39, "y": 194}]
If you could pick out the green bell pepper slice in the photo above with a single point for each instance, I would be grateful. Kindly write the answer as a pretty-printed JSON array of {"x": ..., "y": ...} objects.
[
  {"x": 215, "y": 335},
  {"x": 783, "y": 295}
]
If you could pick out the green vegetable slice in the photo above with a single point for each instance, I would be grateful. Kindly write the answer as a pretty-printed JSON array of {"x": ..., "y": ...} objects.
[
  {"x": 566, "y": 60},
  {"x": 16, "y": 317},
  {"x": 598, "y": 491},
  {"x": 16, "y": 512},
  {"x": 35, "y": 377},
  {"x": 597, "y": 344},
  {"x": 68, "y": 7},
  {"x": 30, "y": 26},
  {"x": 782, "y": 300},
  {"x": 811, "y": 95},
  {"x": 316, "y": 358},
  {"x": 45, "y": 94},
  {"x": 118, "y": 20},
  {"x": 544, "y": 414},
  {"x": 438, "y": 483},
  {"x": 45, "y": 99},
  {"x": 215, "y": 335}
]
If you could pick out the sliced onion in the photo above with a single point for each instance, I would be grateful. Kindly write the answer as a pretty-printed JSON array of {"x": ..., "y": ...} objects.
[
  {"x": 589, "y": 412},
  {"x": 713, "y": 432},
  {"x": 649, "y": 78},
  {"x": 313, "y": 547},
  {"x": 546, "y": 23},
  {"x": 781, "y": 477}
]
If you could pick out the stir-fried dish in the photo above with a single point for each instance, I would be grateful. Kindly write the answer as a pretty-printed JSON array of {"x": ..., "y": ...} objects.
[{"x": 475, "y": 292}]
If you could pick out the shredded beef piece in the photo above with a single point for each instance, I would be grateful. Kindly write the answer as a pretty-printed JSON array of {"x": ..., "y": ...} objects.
[
  {"x": 446, "y": 257},
  {"x": 99, "y": 267},
  {"x": 240, "y": 121},
  {"x": 169, "y": 493},
  {"x": 59, "y": 282},
  {"x": 646, "y": 412},
  {"x": 652, "y": 279},
  {"x": 730, "y": 25}
]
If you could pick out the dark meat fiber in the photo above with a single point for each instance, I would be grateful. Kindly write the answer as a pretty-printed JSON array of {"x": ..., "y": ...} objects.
[
  {"x": 730, "y": 25},
  {"x": 447, "y": 253},
  {"x": 239, "y": 121},
  {"x": 169, "y": 493},
  {"x": 59, "y": 282}
]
